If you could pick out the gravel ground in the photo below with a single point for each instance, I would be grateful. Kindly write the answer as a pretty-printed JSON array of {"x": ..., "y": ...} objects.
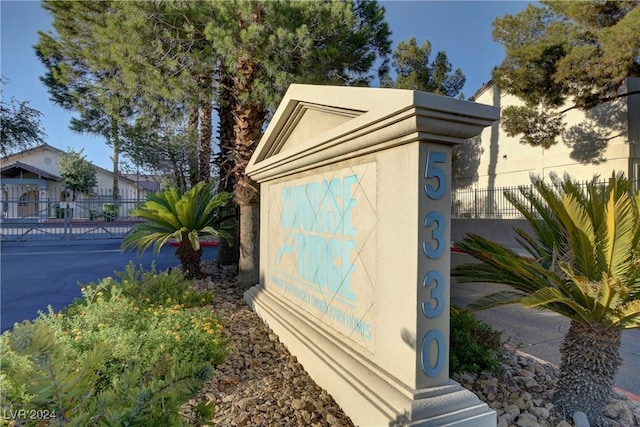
[{"x": 262, "y": 384}]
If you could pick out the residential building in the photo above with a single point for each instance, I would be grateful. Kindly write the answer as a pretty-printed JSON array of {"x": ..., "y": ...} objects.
[
  {"x": 32, "y": 187},
  {"x": 599, "y": 141}
]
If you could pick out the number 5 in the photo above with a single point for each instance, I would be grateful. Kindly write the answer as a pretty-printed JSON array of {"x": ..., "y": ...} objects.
[{"x": 433, "y": 171}]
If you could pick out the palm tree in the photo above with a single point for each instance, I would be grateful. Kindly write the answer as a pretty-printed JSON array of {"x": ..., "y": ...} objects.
[
  {"x": 184, "y": 217},
  {"x": 584, "y": 264}
]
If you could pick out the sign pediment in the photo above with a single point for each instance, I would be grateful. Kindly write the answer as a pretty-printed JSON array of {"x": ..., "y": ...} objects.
[
  {"x": 316, "y": 125},
  {"x": 307, "y": 121}
]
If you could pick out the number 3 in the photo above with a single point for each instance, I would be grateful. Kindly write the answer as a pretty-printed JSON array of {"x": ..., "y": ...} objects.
[
  {"x": 435, "y": 294},
  {"x": 437, "y": 234}
]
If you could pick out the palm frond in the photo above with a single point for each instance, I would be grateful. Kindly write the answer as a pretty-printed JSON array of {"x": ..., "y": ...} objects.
[
  {"x": 607, "y": 291},
  {"x": 529, "y": 243},
  {"x": 585, "y": 250},
  {"x": 531, "y": 207},
  {"x": 581, "y": 289},
  {"x": 551, "y": 298},
  {"x": 501, "y": 265},
  {"x": 618, "y": 238},
  {"x": 172, "y": 214},
  {"x": 497, "y": 299},
  {"x": 626, "y": 316},
  {"x": 581, "y": 235},
  {"x": 636, "y": 234}
]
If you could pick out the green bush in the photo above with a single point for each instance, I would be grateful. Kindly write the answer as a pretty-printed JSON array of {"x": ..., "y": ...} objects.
[
  {"x": 66, "y": 389},
  {"x": 159, "y": 308},
  {"x": 127, "y": 353},
  {"x": 110, "y": 211},
  {"x": 475, "y": 345},
  {"x": 12, "y": 366},
  {"x": 148, "y": 288}
]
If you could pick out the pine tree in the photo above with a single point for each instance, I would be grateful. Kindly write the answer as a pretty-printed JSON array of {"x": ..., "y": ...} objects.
[
  {"x": 415, "y": 71},
  {"x": 578, "y": 52},
  {"x": 245, "y": 53},
  {"x": 269, "y": 45},
  {"x": 165, "y": 57},
  {"x": 80, "y": 74}
]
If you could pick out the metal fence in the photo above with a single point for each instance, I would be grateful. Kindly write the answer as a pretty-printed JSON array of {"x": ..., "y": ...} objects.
[
  {"x": 491, "y": 202},
  {"x": 48, "y": 213},
  {"x": 37, "y": 213},
  {"x": 483, "y": 203}
]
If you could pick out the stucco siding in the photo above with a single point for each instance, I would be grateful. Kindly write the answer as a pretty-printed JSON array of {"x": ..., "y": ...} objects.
[{"x": 598, "y": 141}]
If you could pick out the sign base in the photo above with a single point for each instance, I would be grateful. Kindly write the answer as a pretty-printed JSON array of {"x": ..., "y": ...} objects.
[{"x": 366, "y": 392}]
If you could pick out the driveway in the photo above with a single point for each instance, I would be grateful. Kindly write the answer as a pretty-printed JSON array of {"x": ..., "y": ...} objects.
[
  {"x": 540, "y": 332},
  {"x": 38, "y": 274}
]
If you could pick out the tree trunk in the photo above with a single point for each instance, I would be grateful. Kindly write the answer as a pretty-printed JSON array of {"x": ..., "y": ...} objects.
[
  {"x": 590, "y": 360},
  {"x": 190, "y": 260},
  {"x": 248, "y": 265},
  {"x": 115, "y": 142},
  {"x": 192, "y": 137},
  {"x": 206, "y": 131},
  {"x": 227, "y": 254},
  {"x": 249, "y": 116}
]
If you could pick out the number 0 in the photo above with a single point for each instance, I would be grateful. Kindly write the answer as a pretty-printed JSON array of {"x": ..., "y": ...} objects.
[{"x": 438, "y": 337}]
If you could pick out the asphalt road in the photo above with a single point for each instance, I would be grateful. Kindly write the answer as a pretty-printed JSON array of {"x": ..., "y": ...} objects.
[
  {"x": 540, "y": 333},
  {"x": 34, "y": 275}
]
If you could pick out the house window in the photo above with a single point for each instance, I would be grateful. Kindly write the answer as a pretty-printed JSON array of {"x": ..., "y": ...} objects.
[{"x": 636, "y": 177}]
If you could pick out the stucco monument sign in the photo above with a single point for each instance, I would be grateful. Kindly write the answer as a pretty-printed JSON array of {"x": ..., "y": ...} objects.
[{"x": 354, "y": 247}]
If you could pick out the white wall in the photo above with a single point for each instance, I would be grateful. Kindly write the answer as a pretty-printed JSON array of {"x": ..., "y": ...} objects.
[{"x": 601, "y": 140}]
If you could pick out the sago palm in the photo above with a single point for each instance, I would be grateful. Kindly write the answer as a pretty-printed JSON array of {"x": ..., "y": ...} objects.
[
  {"x": 584, "y": 264},
  {"x": 185, "y": 217}
]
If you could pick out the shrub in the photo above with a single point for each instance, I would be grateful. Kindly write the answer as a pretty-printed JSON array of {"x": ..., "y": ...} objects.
[
  {"x": 62, "y": 213},
  {"x": 184, "y": 217},
  {"x": 65, "y": 389},
  {"x": 149, "y": 288},
  {"x": 127, "y": 353},
  {"x": 475, "y": 345},
  {"x": 12, "y": 366},
  {"x": 139, "y": 329},
  {"x": 110, "y": 211}
]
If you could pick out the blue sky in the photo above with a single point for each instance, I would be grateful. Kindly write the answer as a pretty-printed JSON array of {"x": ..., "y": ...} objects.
[{"x": 461, "y": 28}]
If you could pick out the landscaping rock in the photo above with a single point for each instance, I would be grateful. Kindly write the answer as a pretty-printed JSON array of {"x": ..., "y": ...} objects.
[{"x": 262, "y": 384}]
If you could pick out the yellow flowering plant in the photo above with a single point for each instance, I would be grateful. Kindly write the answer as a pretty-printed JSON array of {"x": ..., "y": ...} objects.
[{"x": 142, "y": 320}]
